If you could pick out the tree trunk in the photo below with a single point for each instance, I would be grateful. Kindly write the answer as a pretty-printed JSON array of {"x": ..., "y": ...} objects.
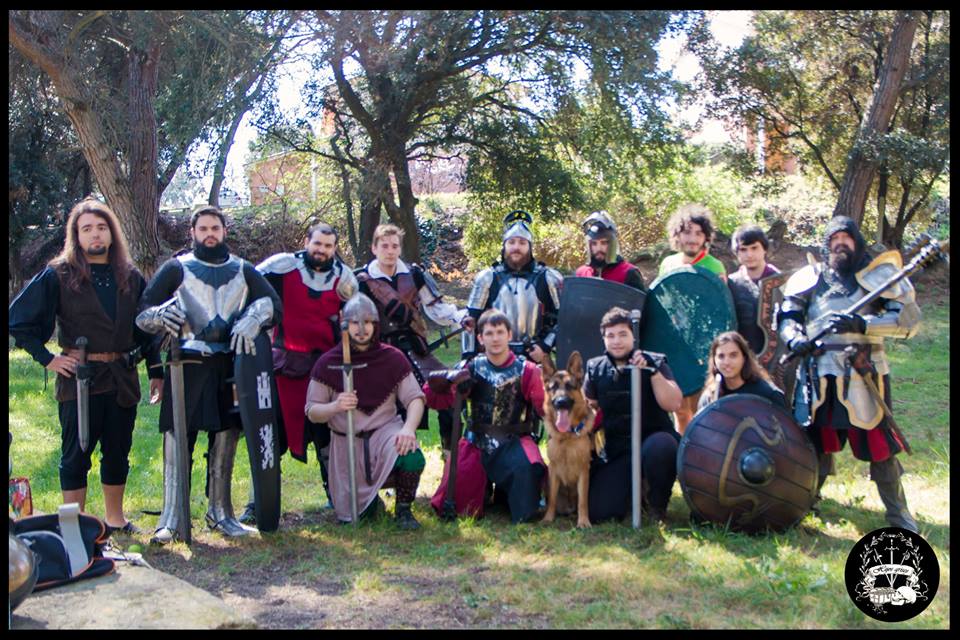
[
  {"x": 374, "y": 182},
  {"x": 860, "y": 170},
  {"x": 405, "y": 213}
]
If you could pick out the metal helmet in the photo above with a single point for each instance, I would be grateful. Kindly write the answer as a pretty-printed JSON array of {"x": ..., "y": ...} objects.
[
  {"x": 517, "y": 224},
  {"x": 360, "y": 308},
  {"x": 599, "y": 225}
]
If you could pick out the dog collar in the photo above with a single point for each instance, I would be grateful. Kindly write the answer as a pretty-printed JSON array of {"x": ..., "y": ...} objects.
[{"x": 577, "y": 429}]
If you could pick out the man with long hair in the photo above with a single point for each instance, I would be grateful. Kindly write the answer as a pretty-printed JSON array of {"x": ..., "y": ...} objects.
[
  {"x": 733, "y": 368},
  {"x": 90, "y": 289},
  {"x": 215, "y": 304}
]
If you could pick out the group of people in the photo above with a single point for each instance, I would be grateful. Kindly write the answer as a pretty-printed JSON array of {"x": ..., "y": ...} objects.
[{"x": 215, "y": 304}]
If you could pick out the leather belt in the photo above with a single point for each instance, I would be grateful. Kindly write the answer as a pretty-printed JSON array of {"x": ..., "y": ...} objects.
[{"x": 109, "y": 356}]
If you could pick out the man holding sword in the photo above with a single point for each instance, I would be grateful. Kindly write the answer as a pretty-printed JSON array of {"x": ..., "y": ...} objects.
[{"x": 365, "y": 425}]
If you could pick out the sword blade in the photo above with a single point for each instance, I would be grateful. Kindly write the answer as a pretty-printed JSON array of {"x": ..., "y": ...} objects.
[
  {"x": 178, "y": 403},
  {"x": 351, "y": 450}
]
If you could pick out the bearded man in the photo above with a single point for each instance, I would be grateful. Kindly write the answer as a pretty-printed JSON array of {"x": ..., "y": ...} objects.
[
  {"x": 215, "y": 304},
  {"x": 388, "y": 452},
  {"x": 844, "y": 378},
  {"x": 526, "y": 291},
  {"x": 313, "y": 285},
  {"x": 603, "y": 247}
]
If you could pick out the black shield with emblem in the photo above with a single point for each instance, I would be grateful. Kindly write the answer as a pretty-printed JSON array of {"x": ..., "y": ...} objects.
[
  {"x": 257, "y": 397},
  {"x": 583, "y": 302},
  {"x": 685, "y": 310},
  {"x": 743, "y": 461}
]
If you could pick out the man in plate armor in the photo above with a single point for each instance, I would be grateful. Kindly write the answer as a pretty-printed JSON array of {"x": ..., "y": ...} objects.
[
  {"x": 844, "y": 379},
  {"x": 215, "y": 304}
]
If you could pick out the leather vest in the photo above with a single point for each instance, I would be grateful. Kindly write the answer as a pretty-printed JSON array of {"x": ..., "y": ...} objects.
[
  {"x": 212, "y": 296},
  {"x": 81, "y": 314},
  {"x": 497, "y": 396},
  {"x": 406, "y": 292}
]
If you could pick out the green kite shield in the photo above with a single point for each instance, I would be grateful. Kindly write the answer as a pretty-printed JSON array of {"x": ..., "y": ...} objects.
[
  {"x": 685, "y": 310},
  {"x": 583, "y": 301}
]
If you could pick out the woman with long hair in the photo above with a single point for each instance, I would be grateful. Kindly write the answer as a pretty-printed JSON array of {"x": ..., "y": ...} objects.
[{"x": 733, "y": 368}]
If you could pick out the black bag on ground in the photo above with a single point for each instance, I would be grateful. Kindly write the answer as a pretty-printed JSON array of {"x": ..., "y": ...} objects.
[{"x": 68, "y": 546}]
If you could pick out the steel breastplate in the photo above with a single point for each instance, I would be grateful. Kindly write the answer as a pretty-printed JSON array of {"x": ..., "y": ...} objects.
[
  {"x": 826, "y": 300},
  {"x": 497, "y": 396},
  {"x": 517, "y": 299},
  {"x": 212, "y": 297}
]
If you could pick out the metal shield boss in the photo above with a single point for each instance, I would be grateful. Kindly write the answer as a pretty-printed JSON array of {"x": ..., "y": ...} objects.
[
  {"x": 685, "y": 310},
  {"x": 744, "y": 461},
  {"x": 583, "y": 302},
  {"x": 253, "y": 376}
]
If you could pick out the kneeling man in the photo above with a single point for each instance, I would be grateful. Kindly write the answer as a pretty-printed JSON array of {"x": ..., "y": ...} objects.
[
  {"x": 506, "y": 396},
  {"x": 386, "y": 445}
]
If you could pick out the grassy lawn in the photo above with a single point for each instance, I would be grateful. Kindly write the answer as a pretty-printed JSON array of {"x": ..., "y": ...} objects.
[{"x": 488, "y": 573}]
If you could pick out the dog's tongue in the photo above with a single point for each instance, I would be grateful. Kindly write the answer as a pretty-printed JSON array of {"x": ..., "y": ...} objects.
[{"x": 563, "y": 420}]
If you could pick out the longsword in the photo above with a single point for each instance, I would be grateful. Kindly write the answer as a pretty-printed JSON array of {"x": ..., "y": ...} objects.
[{"x": 347, "y": 370}]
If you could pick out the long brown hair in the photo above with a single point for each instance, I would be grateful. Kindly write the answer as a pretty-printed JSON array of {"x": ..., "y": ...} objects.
[
  {"x": 73, "y": 263},
  {"x": 752, "y": 370}
]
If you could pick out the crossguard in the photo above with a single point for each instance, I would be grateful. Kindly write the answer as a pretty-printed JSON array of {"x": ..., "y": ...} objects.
[{"x": 346, "y": 367}]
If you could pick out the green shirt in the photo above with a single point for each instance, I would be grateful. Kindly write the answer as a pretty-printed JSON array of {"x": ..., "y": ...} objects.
[{"x": 708, "y": 262}]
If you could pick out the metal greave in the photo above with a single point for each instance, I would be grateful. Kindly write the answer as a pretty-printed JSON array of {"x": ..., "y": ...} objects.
[
  {"x": 220, "y": 514},
  {"x": 169, "y": 517}
]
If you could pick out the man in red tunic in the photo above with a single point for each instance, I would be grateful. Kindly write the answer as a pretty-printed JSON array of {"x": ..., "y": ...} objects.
[
  {"x": 313, "y": 285},
  {"x": 603, "y": 246}
]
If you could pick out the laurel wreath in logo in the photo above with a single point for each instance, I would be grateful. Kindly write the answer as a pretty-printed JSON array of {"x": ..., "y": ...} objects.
[{"x": 866, "y": 587}]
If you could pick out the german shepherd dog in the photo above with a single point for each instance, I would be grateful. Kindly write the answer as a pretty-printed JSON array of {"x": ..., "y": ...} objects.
[{"x": 569, "y": 421}]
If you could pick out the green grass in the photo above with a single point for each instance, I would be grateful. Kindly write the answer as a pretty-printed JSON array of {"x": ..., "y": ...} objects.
[{"x": 497, "y": 575}]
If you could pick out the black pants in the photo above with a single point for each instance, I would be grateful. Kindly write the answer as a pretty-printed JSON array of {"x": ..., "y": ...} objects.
[
  {"x": 611, "y": 485},
  {"x": 111, "y": 426},
  {"x": 512, "y": 472}
]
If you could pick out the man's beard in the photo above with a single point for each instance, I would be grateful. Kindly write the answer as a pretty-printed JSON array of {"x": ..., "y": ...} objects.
[
  {"x": 841, "y": 260},
  {"x": 98, "y": 251},
  {"x": 692, "y": 253},
  {"x": 516, "y": 263},
  {"x": 597, "y": 261},
  {"x": 216, "y": 253},
  {"x": 320, "y": 265}
]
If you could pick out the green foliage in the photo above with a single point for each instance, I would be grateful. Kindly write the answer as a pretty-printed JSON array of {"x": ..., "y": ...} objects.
[{"x": 809, "y": 77}]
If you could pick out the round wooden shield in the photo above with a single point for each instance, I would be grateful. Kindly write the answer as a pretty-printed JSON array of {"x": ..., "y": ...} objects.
[{"x": 743, "y": 461}]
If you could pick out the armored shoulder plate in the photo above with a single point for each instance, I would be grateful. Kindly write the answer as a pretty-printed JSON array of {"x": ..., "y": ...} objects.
[
  {"x": 554, "y": 284},
  {"x": 347, "y": 285},
  {"x": 881, "y": 269},
  {"x": 481, "y": 289},
  {"x": 279, "y": 263},
  {"x": 803, "y": 281}
]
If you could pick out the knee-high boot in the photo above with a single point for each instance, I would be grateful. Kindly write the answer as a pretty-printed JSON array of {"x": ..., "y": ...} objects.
[{"x": 887, "y": 475}]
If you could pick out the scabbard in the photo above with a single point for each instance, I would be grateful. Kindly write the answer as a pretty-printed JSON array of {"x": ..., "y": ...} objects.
[
  {"x": 893, "y": 426},
  {"x": 450, "y": 498},
  {"x": 178, "y": 404},
  {"x": 82, "y": 376}
]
